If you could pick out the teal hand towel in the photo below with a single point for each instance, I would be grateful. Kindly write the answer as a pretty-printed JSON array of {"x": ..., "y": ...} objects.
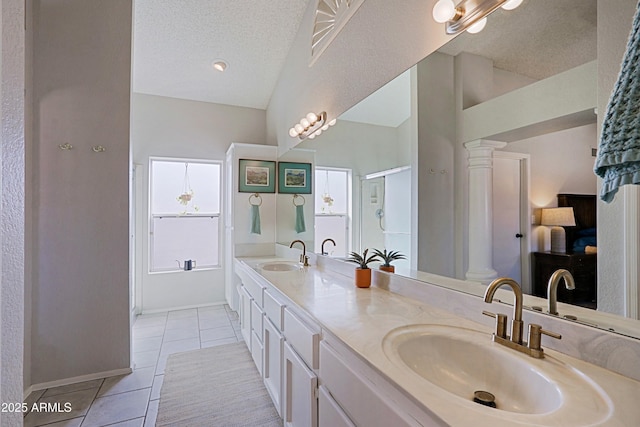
[
  {"x": 255, "y": 219},
  {"x": 618, "y": 161},
  {"x": 300, "y": 227}
]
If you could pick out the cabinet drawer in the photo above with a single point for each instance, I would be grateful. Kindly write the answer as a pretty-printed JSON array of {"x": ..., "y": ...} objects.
[
  {"x": 274, "y": 310},
  {"x": 255, "y": 290},
  {"x": 256, "y": 320},
  {"x": 359, "y": 400},
  {"x": 302, "y": 337},
  {"x": 330, "y": 414}
]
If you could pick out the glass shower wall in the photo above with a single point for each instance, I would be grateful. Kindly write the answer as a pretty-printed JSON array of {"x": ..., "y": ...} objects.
[{"x": 385, "y": 213}]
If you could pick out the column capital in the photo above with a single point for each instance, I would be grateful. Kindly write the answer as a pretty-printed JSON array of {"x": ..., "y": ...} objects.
[{"x": 483, "y": 144}]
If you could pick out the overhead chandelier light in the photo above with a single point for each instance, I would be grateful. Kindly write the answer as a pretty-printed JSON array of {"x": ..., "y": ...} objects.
[
  {"x": 310, "y": 126},
  {"x": 470, "y": 15}
]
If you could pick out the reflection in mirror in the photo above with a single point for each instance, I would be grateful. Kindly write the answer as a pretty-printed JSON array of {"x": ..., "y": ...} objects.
[{"x": 527, "y": 84}]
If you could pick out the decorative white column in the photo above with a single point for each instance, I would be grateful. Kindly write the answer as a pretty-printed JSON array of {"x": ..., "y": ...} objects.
[{"x": 481, "y": 209}]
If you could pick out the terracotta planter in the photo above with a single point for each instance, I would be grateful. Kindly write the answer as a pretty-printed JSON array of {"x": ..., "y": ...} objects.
[
  {"x": 363, "y": 277},
  {"x": 389, "y": 269}
]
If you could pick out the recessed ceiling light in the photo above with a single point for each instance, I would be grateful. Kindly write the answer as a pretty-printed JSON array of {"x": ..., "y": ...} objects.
[{"x": 220, "y": 65}]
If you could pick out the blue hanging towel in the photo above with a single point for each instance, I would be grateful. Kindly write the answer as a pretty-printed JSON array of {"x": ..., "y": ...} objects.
[
  {"x": 255, "y": 219},
  {"x": 300, "y": 226},
  {"x": 618, "y": 161}
]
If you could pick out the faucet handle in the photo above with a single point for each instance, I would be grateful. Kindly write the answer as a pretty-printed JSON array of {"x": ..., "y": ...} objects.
[
  {"x": 535, "y": 335},
  {"x": 501, "y": 323}
]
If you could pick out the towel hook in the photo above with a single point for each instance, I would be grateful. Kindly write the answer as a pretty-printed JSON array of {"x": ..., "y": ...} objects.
[
  {"x": 257, "y": 196},
  {"x": 294, "y": 200},
  {"x": 66, "y": 146},
  {"x": 98, "y": 149}
]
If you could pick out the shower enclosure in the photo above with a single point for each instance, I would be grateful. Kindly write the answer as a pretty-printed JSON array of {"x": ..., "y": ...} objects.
[{"x": 385, "y": 212}]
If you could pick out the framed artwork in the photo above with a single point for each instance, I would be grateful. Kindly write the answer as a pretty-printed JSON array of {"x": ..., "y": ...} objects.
[
  {"x": 257, "y": 176},
  {"x": 294, "y": 178}
]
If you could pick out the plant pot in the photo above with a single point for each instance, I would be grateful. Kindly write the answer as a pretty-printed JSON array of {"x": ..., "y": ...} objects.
[
  {"x": 363, "y": 277},
  {"x": 389, "y": 269}
]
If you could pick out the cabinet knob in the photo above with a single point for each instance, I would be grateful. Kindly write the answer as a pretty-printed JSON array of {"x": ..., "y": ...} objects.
[{"x": 519, "y": 236}]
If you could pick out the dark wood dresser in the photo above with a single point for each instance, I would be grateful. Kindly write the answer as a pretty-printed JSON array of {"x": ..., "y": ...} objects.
[{"x": 581, "y": 266}]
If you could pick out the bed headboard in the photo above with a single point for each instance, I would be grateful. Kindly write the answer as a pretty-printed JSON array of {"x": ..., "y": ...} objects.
[{"x": 584, "y": 209}]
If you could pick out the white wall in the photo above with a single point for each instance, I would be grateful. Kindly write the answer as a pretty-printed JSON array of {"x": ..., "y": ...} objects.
[
  {"x": 12, "y": 205},
  {"x": 436, "y": 144},
  {"x": 80, "y": 258},
  {"x": 169, "y": 127}
]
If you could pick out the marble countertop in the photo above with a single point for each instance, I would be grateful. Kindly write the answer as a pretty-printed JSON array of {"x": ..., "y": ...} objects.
[{"x": 362, "y": 318}]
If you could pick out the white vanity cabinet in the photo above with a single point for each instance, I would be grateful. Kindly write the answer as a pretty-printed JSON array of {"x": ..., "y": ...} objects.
[
  {"x": 354, "y": 393},
  {"x": 245, "y": 315},
  {"x": 299, "y": 391},
  {"x": 330, "y": 414},
  {"x": 301, "y": 359},
  {"x": 273, "y": 339}
]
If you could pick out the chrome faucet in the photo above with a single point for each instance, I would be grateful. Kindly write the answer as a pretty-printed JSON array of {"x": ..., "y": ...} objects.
[
  {"x": 304, "y": 259},
  {"x": 534, "y": 348},
  {"x": 552, "y": 288},
  {"x": 516, "y": 322},
  {"x": 322, "y": 252}
]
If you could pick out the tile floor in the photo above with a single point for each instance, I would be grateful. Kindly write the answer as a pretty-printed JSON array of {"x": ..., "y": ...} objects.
[{"x": 132, "y": 400}]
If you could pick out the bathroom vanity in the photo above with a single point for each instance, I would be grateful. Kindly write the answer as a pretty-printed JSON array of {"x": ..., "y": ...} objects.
[{"x": 334, "y": 355}]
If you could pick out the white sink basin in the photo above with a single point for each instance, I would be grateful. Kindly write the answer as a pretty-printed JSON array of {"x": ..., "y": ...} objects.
[
  {"x": 278, "y": 266},
  {"x": 462, "y": 361}
]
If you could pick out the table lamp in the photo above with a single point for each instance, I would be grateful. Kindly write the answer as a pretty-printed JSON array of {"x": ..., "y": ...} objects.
[{"x": 558, "y": 218}]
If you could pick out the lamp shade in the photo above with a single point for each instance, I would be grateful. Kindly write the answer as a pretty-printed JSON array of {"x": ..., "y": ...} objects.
[
  {"x": 558, "y": 218},
  {"x": 563, "y": 217}
]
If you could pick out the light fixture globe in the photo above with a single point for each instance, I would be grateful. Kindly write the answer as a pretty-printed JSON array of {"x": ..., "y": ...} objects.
[
  {"x": 299, "y": 128},
  {"x": 293, "y": 133},
  {"x": 443, "y": 11},
  {"x": 478, "y": 26},
  {"x": 312, "y": 118},
  {"x": 511, "y": 4}
]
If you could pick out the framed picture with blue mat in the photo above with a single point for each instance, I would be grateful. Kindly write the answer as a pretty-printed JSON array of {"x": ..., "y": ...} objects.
[
  {"x": 294, "y": 178},
  {"x": 257, "y": 176}
]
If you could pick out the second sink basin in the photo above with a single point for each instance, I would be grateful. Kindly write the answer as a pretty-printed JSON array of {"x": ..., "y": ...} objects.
[
  {"x": 278, "y": 266},
  {"x": 462, "y": 361}
]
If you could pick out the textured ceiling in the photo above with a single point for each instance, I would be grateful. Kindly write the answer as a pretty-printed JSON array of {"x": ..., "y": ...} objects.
[
  {"x": 176, "y": 41},
  {"x": 539, "y": 39}
]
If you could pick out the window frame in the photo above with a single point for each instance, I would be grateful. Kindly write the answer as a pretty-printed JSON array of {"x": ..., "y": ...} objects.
[
  {"x": 152, "y": 216},
  {"x": 348, "y": 215}
]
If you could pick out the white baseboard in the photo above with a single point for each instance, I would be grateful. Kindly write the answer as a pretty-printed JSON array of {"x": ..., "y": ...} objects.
[
  {"x": 184, "y": 307},
  {"x": 74, "y": 380}
]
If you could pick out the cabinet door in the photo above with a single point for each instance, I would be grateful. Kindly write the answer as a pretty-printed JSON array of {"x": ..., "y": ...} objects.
[
  {"x": 245, "y": 316},
  {"x": 300, "y": 385},
  {"x": 273, "y": 342},
  {"x": 330, "y": 414}
]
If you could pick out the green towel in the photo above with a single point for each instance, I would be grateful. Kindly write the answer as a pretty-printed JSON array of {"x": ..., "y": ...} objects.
[
  {"x": 255, "y": 219},
  {"x": 300, "y": 227},
  {"x": 618, "y": 161}
]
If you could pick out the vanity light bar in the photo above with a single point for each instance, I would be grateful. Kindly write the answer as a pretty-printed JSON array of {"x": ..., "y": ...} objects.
[
  {"x": 470, "y": 15},
  {"x": 311, "y": 126}
]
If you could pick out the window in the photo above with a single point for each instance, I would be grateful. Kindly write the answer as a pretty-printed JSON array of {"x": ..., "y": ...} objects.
[
  {"x": 184, "y": 214},
  {"x": 333, "y": 210}
]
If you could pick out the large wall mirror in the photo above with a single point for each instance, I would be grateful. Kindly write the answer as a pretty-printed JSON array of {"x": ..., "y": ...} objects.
[{"x": 527, "y": 85}]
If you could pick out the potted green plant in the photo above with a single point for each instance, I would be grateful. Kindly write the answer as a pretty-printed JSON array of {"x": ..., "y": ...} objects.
[
  {"x": 387, "y": 258},
  {"x": 363, "y": 272}
]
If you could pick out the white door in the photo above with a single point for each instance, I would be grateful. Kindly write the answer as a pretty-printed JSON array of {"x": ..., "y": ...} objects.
[{"x": 508, "y": 217}]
